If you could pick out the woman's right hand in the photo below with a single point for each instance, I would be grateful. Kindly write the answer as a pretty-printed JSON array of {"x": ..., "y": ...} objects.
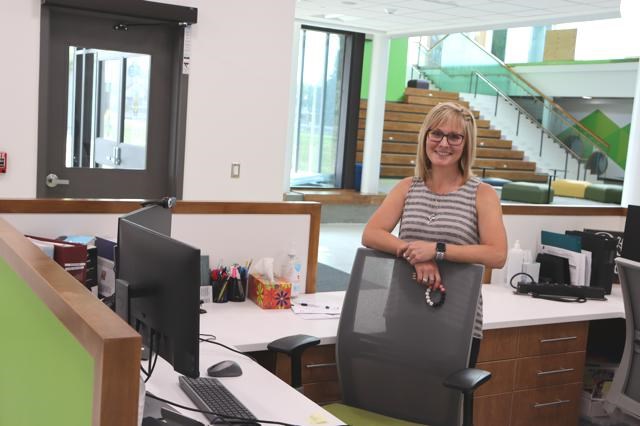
[{"x": 427, "y": 273}]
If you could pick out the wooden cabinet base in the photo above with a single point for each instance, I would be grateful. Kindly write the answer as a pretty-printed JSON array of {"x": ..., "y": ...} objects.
[
  {"x": 493, "y": 410},
  {"x": 550, "y": 406}
]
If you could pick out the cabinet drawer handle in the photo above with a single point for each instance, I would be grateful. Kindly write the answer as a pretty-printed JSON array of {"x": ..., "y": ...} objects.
[
  {"x": 558, "y": 339},
  {"x": 328, "y": 364},
  {"x": 549, "y": 404},
  {"x": 560, "y": 370}
]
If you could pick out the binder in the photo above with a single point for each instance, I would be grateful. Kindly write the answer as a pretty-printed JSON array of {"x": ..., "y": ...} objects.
[
  {"x": 603, "y": 253},
  {"x": 567, "y": 242},
  {"x": 71, "y": 256}
]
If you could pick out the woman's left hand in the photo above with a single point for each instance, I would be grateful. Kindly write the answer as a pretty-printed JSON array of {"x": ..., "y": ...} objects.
[{"x": 419, "y": 251}]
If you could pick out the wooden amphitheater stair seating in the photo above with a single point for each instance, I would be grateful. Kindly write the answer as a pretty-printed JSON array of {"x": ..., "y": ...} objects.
[{"x": 402, "y": 121}]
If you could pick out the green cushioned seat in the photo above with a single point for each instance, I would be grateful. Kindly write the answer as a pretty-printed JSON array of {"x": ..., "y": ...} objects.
[
  {"x": 604, "y": 193},
  {"x": 495, "y": 181},
  {"x": 356, "y": 416},
  {"x": 526, "y": 192}
]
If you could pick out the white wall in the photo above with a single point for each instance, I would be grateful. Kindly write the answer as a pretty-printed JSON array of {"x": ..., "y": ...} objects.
[
  {"x": 19, "y": 90},
  {"x": 615, "y": 80},
  {"x": 238, "y": 107}
]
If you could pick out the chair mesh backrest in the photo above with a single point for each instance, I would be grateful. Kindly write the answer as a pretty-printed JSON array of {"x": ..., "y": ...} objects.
[
  {"x": 625, "y": 390},
  {"x": 393, "y": 350}
]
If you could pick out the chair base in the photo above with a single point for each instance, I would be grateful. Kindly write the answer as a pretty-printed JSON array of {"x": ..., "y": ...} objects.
[{"x": 357, "y": 417}]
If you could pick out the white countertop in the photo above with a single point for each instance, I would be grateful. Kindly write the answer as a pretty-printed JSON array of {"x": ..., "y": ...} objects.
[{"x": 250, "y": 328}]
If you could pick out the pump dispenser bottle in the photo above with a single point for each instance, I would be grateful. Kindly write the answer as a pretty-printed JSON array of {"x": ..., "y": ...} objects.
[{"x": 515, "y": 259}]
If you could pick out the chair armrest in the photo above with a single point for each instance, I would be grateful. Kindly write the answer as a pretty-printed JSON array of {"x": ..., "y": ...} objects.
[
  {"x": 292, "y": 344},
  {"x": 467, "y": 379}
]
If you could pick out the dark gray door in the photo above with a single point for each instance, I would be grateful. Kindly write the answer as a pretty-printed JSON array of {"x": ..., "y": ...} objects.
[{"x": 108, "y": 106}]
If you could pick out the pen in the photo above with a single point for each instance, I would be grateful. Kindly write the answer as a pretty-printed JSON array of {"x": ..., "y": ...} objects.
[{"x": 307, "y": 304}]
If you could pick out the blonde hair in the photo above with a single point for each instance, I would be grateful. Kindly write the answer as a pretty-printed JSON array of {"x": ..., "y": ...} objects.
[{"x": 439, "y": 114}]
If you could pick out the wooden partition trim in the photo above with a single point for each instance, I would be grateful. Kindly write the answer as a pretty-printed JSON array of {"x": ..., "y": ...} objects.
[
  {"x": 114, "y": 346},
  {"x": 88, "y": 206}
]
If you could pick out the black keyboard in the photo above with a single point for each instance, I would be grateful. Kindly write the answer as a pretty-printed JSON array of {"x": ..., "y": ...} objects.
[
  {"x": 209, "y": 394},
  {"x": 562, "y": 290}
]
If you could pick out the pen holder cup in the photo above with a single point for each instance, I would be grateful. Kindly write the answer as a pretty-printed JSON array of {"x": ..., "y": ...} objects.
[
  {"x": 220, "y": 291},
  {"x": 238, "y": 289}
]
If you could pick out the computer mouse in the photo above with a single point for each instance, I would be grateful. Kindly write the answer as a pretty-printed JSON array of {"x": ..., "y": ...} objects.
[{"x": 225, "y": 368}]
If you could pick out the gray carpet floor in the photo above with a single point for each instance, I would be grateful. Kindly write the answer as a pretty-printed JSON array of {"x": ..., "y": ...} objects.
[{"x": 330, "y": 279}]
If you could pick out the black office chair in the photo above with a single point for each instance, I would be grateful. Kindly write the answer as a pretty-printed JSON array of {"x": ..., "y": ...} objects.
[
  {"x": 625, "y": 389},
  {"x": 399, "y": 359}
]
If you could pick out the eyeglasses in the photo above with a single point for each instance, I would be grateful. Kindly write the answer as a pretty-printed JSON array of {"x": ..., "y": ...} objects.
[{"x": 454, "y": 139}]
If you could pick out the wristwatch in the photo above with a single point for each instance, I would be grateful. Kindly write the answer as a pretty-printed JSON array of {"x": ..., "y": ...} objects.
[{"x": 441, "y": 249}]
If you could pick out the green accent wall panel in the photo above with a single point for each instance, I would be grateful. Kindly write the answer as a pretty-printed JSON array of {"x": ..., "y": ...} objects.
[
  {"x": 618, "y": 144},
  {"x": 599, "y": 123},
  {"x": 617, "y": 138},
  {"x": 396, "y": 74},
  {"x": 46, "y": 375}
]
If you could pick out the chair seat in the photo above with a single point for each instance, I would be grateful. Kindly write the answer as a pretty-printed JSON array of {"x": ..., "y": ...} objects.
[
  {"x": 569, "y": 188},
  {"x": 358, "y": 417}
]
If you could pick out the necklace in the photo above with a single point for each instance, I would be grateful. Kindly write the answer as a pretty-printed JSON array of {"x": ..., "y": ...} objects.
[{"x": 433, "y": 216}]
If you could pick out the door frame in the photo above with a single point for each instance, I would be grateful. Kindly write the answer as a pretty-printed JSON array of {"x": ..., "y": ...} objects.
[{"x": 161, "y": 12}]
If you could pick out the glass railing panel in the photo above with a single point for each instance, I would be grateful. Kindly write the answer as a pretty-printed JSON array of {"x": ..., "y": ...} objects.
[{"x": 453, "y": 65}]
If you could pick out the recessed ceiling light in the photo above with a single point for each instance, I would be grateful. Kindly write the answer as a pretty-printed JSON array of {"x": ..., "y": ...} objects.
[
  {"x": 587, "y": 97},
  {"x": 390, "y": 11}
]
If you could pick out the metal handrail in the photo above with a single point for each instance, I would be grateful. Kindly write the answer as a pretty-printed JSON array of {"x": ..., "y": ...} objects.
[
  {"x": 526, "y": 114},
  {"x": 571, "y": 118},
  {"x": 518, "y": 78}
]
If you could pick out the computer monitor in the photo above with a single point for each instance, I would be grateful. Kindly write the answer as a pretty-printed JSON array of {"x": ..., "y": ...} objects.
[
  {"x": 158, "y": 281},
  {"x": 630, "y": 244},
  {"x": 154, "y": 217}
]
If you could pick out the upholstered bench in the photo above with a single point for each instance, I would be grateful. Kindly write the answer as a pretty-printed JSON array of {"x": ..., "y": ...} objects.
[
  {"x": 604, "y": 193},
  {"x": 495, "y": 181},
  {"x": 569, "y": 188},
  {"x": 526, "y": 192}
]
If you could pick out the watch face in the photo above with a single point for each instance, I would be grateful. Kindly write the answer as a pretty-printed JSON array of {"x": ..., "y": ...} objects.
[{"x": 441, "y": 247}]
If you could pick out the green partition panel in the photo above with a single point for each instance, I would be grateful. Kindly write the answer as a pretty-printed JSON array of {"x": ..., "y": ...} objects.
[{"x": 46, "y": 375}]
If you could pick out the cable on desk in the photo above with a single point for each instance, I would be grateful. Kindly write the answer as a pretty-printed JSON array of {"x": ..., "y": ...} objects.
[
  {"x": 211, "y": 339},
  {"x": 231, "y": 419},
  {"x": 151, "y": 364}
]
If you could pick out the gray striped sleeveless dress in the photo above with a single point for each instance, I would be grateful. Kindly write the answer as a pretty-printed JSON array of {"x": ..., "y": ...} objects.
[{"x": 453, "y": 217}]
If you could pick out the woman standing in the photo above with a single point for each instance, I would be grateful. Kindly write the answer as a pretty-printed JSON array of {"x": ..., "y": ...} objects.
[{"x": 444, "y": 212}]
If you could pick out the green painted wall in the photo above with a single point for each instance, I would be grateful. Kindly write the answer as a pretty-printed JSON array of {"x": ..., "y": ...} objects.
[
  {"x": 46, "y": 376},
  {"x": 607, "y": 129},
  {"x": 397, "y": 72},
  {"x": 618, "y": 144}
]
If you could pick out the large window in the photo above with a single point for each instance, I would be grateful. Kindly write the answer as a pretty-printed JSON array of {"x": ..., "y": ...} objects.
[{"x": 320, "y": 75}]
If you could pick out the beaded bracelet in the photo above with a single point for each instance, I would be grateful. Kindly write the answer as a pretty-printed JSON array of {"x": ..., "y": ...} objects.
[{"x": 439, "y": 302}]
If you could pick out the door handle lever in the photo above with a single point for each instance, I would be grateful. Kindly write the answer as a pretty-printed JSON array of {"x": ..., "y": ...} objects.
[{"x": 52, "y": 180}]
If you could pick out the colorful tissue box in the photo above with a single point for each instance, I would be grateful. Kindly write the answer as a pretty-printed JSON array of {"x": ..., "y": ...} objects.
[{"x": 270, "y": 294}]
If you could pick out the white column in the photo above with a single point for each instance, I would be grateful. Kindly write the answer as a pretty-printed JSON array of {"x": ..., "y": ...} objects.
[
  {"x": 631, "y": 186},
  {"x": 293, "y": 106},
  {"x": 375, "y": 115}
]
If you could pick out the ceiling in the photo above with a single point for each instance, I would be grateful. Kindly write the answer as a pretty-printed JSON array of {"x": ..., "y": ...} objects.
[{"x": 422, "y": 17}]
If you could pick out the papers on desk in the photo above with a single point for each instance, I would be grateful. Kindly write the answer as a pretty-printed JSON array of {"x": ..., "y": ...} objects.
[
  {"x": 579, "y": 263},
  {"x": 316, "y": 306}
]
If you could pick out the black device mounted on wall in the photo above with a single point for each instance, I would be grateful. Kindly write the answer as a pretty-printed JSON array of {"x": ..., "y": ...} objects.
[{"x": 631, "y": 242}]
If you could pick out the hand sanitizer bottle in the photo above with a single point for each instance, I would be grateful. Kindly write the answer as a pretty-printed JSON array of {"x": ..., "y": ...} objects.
[
  {"x": 293, "y": 273},
  {"x": 515, "y": 259}
]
